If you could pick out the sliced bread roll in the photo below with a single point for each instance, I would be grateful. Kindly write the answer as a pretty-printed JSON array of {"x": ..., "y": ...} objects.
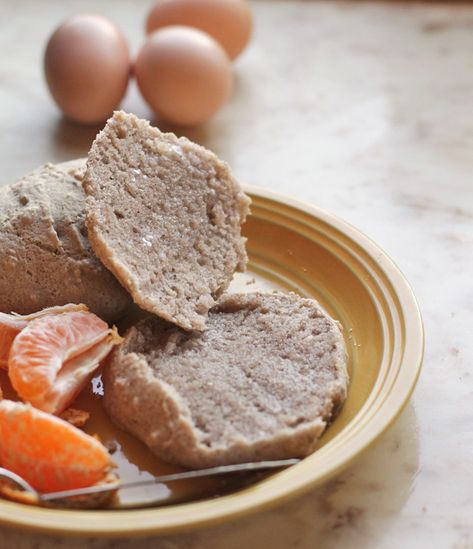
[
  {"x": 164, "y": 215},
  {"x": 45, "y": 255},
  {"x": 262, "y": 382}
]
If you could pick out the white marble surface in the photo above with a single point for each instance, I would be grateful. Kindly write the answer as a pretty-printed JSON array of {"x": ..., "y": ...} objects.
[{"x": 364, "y": 109}]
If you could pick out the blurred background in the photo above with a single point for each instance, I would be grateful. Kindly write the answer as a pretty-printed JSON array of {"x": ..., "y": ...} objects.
[{"x": 329, "y": 96}]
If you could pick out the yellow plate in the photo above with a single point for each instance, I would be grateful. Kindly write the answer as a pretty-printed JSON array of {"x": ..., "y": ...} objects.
[{"x": 296, "y": 247}]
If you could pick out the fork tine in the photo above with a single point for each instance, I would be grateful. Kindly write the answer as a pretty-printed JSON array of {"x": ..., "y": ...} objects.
[
  {"x": 219, "y": 470},
  {"x": 19, "y": 481}
]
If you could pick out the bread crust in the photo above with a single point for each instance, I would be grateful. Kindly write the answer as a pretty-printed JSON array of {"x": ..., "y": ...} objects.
[{"x": 45, "y": 256}]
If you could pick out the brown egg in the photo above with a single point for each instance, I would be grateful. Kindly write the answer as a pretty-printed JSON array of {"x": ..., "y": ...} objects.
[
  {"x": 228, "y": 21},
  {"x": 87, "y": 68},
  {"x": 183, "y": 74}
]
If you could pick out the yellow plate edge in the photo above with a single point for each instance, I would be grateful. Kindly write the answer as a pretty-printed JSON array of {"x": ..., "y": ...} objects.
[{"x": 270, "y": 492}]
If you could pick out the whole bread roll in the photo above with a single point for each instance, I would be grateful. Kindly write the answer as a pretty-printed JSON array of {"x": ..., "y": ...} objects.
[{"x": 45, "y": 256}]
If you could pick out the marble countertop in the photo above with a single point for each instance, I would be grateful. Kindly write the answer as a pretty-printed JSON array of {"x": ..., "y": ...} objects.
[{"x": 365, "y": 110}]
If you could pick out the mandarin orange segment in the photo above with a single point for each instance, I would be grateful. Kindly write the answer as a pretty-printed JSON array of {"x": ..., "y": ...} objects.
[
  {"x": 52, "y": 359},
  {"x": 9, "y": 329},
  {"x": 48, "y": 452},
  {"x": 12, "y": 324}
]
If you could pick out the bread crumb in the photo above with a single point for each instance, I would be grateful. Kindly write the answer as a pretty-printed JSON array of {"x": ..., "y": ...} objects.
[
  {"x": 227, "y": 395},
  {"x": 77, "y": 418},
  {"x": 111, "y": 446},
  {"x": 164, "y": 215}
]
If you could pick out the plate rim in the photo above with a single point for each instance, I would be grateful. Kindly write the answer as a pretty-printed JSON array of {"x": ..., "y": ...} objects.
[{"x": 212, "y": 512}]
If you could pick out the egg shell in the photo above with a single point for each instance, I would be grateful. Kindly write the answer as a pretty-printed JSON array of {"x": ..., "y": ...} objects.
[
  {"x": 87, "y": 67},
  {"x": 228, "y": 21},
  {"x": 184, "y": 75}
]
